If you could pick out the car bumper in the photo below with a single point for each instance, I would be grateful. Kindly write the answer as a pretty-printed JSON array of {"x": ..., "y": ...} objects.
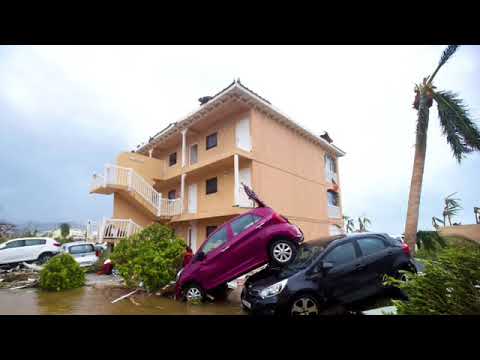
[{"x": 255, "y": 305}]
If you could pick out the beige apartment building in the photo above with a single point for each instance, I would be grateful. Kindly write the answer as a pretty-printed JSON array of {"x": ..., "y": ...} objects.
[{"x": 189, "y": 175}]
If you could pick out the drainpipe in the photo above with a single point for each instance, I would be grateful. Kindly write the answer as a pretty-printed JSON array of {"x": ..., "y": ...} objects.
[
  {"x": 184, "y": 147},
  {"x": 236, "y": 184},
  {"x": 182, "y": 192}
]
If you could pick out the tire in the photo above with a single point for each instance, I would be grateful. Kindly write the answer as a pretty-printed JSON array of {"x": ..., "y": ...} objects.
[
  {"x": 282, "y": 252},
  {"x": 193, "y": 293},
  {"x": 43, "y": 258},
  {"x": 304, "y": 304}
]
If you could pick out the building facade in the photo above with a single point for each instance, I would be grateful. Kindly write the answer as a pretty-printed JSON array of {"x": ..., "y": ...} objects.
[{"x": 190, "y": 174}]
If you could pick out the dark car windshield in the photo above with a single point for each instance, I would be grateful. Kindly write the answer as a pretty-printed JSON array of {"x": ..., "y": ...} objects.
[{"x": 306, "y": 254}]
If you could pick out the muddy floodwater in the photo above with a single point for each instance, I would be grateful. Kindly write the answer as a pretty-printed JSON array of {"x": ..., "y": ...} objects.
[{"x": 90, "y": 300}]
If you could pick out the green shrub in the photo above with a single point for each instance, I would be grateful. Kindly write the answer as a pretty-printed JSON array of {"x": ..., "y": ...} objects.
[
  {"x": 62, "y": 272},
  {"x": 449, "y": 285},
  {"x": 151, "y": 256}
]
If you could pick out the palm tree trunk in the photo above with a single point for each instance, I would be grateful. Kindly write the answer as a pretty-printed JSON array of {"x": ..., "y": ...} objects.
[{"x": 417, "y": 174}]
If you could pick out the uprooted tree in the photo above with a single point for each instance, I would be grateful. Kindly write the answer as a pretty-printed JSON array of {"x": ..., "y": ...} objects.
[{"x": 152, "y": 257}]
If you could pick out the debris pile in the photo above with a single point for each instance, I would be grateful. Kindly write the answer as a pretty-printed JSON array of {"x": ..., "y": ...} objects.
[{"x": 19, "y": 277}]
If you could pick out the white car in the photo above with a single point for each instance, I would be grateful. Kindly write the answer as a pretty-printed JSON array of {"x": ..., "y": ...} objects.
[
  {"x": 84, "y": 253},
  {"x": 39, "y": 249}
]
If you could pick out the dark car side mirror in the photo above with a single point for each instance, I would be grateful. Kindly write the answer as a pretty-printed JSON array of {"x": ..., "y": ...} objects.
[{"x": 199, "y": 256}]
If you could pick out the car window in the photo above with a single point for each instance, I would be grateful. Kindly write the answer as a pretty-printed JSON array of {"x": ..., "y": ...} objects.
[
  {"x": 341, "y": 254},
  {"x": 370, "y": 246},
  {"x": 33, "y": 242},
  {"x": 81, "y": 249},
  {"x": 15, "y": 244},
  {"x": 217, "y": 239},
  {"x": 244, "y": 222}
]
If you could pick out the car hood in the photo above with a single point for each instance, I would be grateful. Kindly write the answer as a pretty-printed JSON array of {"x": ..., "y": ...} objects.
[{"x": 267, "y": 277}]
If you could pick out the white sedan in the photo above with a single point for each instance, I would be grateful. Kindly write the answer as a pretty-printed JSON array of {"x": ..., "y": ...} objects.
[{"x": 84, "y": 253}]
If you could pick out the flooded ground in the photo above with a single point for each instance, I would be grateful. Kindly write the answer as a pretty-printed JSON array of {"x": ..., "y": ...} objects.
[{"x": 94, "y": 301}]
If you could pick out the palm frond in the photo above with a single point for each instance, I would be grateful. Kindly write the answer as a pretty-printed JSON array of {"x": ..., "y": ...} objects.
[
  {"x": 463, "y": 135},
  {"x": 438, "y": 220},
  {"x": 447, "y": 54}
]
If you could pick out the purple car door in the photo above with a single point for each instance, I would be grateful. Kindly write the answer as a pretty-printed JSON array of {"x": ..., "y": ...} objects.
[
  {"x": 245, "y": 248},
  {"x": 214, "y": 265}
]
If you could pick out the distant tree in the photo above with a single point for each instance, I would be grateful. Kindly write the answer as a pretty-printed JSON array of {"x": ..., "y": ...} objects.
[
  {"x": 6, "y": 230},
  {"x": 30, "y": 233},
  {"x": 451, "y": 208},
  {"x": 363, "y": 221},
  {"x": 349, "y": 224},
  {"x": 64, "y": 230},
  {"x": 435, "y": 222}
]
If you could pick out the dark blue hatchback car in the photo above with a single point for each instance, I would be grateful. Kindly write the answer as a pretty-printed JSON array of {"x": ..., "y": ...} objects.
[{"x": 334, "y": 272}]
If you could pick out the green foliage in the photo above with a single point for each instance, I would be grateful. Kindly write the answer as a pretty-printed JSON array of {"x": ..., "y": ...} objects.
[
  {"x": 64, "y": 230},
  {"x": 430, "y": 240},
  {"x": 62, "y": 272},
  {"x": 151, "y": 256},
  {"x": 449, "y": 285}
]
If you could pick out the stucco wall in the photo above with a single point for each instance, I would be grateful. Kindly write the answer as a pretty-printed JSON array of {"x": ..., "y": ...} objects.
[
  {"x": 471, "y": 232},
  {"x": 127, "y": 209},
  {"x": 148, "y": 168}
]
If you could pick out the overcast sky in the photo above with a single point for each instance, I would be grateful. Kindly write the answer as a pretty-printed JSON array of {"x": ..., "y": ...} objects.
[{"x": 66, "y": 111}]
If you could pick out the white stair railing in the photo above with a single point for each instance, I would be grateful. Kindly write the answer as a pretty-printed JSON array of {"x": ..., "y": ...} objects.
[
  {"x": 121, "y": 176},
  {"x": 119, "y": 228}
]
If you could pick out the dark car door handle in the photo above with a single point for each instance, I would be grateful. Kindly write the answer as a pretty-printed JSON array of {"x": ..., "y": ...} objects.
[
  {"x": 360, "y": 267},
  {"x": 390, "y": 253}
]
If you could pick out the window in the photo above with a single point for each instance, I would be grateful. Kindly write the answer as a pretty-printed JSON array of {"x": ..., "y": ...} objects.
[
  {"x": 332, "y": 198},
  {"x": 342, "y": 254},
  {"x": 81, "y": 249},
  {"x": 15, "y": 244},
  {"x": 172, "y": 194},
  {"x": 211, "y": 141},
  {"x": 33, "y": 242},
  {"x": 217, "y": 239},
  {"x": 210, "y": 230},
  {"x": 370, "y": 246},
  {"x": 211, "y": 186},
  {"x": 172, "y": 159},
  {"x": 330, "y": 164},
  {"x": 244, "y": 223},
  {"x": 193, "y": 154}
]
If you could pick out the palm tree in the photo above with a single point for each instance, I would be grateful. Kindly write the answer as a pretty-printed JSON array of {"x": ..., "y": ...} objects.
[
  {"x": 349, "y": 224},
  {"x": 452, "y": 206},
  {"x": 362, "y": 223},
  {"x": 435, "y": 222},
  {"x": 461, "y": 132}
]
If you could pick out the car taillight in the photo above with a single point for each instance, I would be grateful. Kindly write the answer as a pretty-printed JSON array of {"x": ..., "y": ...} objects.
[
  {"x": 279, "y": 218},
  {"x": 406, "y": 249},
  {"x": 97, "y": 253},
  {"x": 57, "y": 244}
]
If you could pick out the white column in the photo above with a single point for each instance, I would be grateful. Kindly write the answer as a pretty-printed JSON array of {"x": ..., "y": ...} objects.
[
  {"x": 182, "y": 191},
  {"x": 150, "y": 152},
  {"x": 184, "y": 147},
  {"x": 236, "y": 184}
]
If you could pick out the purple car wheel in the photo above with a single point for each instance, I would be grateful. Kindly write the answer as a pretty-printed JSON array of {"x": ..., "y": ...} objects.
[
  {"x": 194, "y": 293},
  {"x": 282, "y": 252}
]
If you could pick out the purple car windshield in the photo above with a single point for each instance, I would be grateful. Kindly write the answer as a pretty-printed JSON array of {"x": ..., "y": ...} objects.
[{"x": 252, "y": 196}]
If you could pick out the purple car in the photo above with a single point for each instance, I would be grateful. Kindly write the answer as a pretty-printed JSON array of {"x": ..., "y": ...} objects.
[{"x": 242, "y": 244}]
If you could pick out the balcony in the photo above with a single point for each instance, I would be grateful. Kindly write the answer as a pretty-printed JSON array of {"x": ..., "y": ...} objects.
[
  {"x": 334, "y": 212},
  {"x": 115, "y": 229},
  {"x": 118, "y": 178},
  {"x": 331, "y": 176}
]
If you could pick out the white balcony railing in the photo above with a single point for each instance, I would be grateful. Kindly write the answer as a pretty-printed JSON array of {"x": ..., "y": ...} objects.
[
  {"x": 334, "y": 212},
  {"x": 331, "y": 176},
  {"x": 113, "y": 229},
  {"x": 126, "y": 177}
]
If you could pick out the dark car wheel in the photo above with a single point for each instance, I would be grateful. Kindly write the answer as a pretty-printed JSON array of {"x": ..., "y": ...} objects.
[
  {"x": 193, "y": 293},
  {"x": 282, "y": 252},
  {"x": 304, "y": 305},
  {"x": 43, "y": 258}
]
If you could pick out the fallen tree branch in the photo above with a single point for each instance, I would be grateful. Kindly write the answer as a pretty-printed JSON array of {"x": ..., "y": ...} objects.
[{"x": 125, "y": 296}]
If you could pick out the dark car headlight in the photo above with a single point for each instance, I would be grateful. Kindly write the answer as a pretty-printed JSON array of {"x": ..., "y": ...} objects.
[{"x": 274, "y": 289}]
